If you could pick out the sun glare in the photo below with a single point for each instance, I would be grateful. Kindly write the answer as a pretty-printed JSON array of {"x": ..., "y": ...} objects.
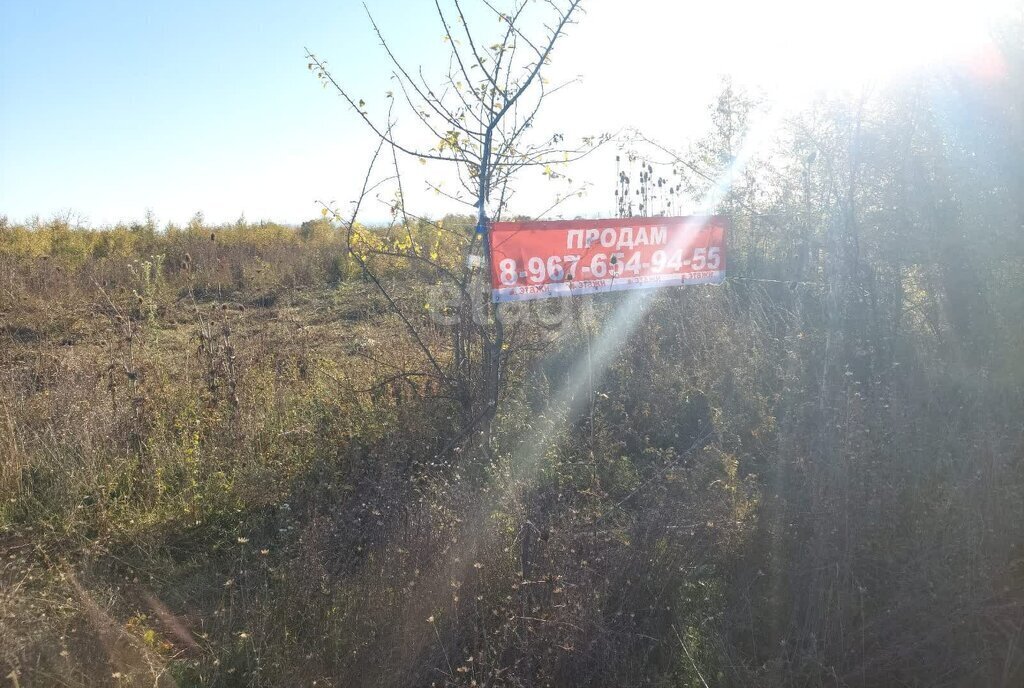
[{"x": 837, "y": 45}]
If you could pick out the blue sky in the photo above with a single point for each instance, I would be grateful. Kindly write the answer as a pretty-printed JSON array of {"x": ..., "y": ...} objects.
[
  {"x": 108, "y": 108},
  {"x": 112, "y": 107}
]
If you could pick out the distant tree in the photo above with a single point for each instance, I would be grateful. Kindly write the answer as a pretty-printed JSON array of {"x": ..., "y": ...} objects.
[
  {"x": 310, "y": 229},
  {"x": 150, "y": 221},
  {"x": 195, "y": 225}
]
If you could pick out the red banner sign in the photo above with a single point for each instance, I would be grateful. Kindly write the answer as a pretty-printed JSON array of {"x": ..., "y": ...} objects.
[{"x": 539, "y": 260}]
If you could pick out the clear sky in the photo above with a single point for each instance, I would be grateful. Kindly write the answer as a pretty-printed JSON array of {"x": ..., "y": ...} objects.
[{"x": 108, "y": 108}]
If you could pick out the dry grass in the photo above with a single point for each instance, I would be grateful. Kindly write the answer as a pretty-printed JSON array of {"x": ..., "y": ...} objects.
[{"x": 237, "y": 469}]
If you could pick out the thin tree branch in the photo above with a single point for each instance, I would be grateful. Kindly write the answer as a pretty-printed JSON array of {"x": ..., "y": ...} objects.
[
  {"x": 362, "y": 263},
  {"x": 362, "y": 114}
]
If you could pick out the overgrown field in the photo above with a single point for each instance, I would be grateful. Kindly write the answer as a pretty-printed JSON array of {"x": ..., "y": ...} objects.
[{"x": 226, "y": 461}]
